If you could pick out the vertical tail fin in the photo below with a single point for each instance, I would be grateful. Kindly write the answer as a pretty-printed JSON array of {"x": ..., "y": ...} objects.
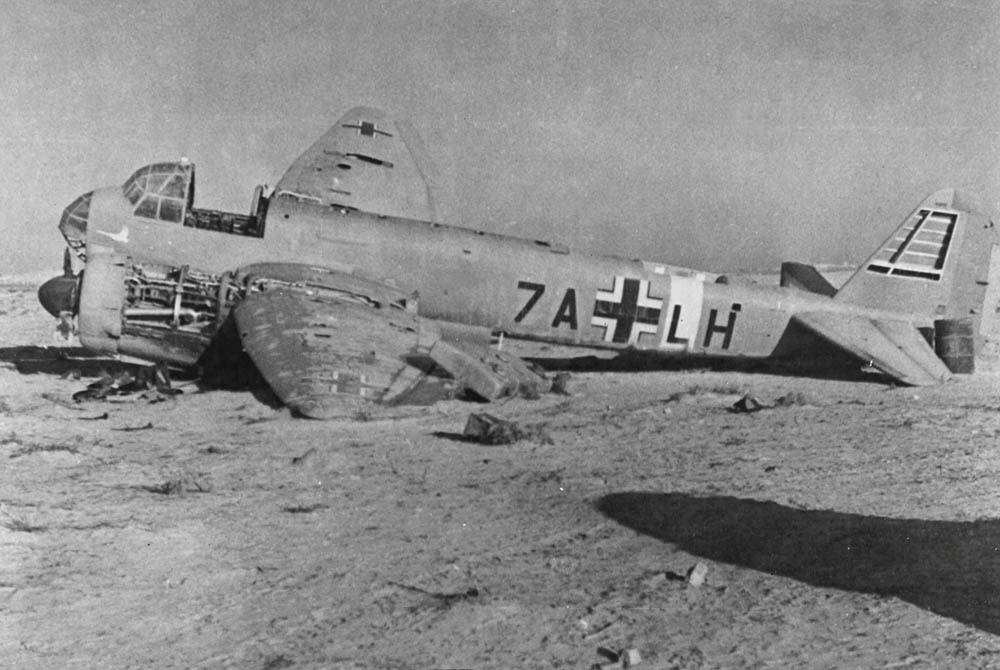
[{"x": 935, "y": 264}]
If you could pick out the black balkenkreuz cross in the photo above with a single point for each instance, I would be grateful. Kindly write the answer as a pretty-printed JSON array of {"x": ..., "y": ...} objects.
[
  {"x": 627, "y": 311},
  {"x": 367, "y": 128},
  {"x": 351, "y": 384}
]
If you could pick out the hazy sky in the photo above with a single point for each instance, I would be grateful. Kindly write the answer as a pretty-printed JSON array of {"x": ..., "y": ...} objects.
[{"x": 715, "y": 134}]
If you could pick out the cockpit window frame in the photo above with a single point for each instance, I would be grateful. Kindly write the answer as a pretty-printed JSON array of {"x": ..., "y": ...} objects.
[
  {"x": 161, "y": 191},
  {"x": 77, "y": 212}
]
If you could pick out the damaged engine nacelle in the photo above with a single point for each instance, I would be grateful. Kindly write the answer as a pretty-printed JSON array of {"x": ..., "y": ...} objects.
[
  {"x": 152, "y": 312},
  {"x": 170, "y": 314}
]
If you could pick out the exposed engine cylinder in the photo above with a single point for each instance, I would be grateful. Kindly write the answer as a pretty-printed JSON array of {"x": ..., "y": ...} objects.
[
  {"x": 149, "y": 311},
  {"x": 170, "y": 314}
]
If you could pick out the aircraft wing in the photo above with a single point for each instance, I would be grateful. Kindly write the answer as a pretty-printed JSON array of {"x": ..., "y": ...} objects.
[
  {"x": 893, "y": 346},
  {"x": 328, "y": 343},
  {"x": 366, "y": 161},
  {"x": 328, "y": 353}
]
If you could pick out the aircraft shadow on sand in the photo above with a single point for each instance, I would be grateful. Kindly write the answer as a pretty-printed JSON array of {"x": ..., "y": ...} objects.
[
  {"x": 950, "y": 568},
  {"x": 822, "y": 362},
  {"x": 62, "y": 361},
  {"x": 831, "y": 367},
  {"x": 223, "y": 368}
]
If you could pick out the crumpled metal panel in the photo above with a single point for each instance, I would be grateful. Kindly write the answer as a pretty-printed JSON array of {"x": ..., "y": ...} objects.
[
  {"x": 326, "y": 279},
  {"x": 487, "y": 373},
  {"x": 326, "y": 356}
]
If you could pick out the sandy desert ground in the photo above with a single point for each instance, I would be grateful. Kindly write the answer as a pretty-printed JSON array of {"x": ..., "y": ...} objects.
[{"x": 856, "y": 525}]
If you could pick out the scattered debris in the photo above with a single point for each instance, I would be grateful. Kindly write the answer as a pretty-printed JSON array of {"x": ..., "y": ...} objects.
[
  {"x": 630, "y": 658},
  {"x": 304, "y": 509},
  {"x": 166, "y": 488},
  {"x": 626, "y": 658},
  {"x": 38, "y": 448},
  {"x": 697, "y": 574},
  {"x": 125, "y": 382},
  {"x": 611, "y": 656},
  {"x": 747, "y": 404},
  {"x": 750, "y": 403},
  {"x": 132, "y": 429},
  {"x": 298, "y": 460},
  {"x": 277, "y": 662},
  {"x": 489, "y": 374},
  {"x": 443, "y": 599},
  {"x": 178, "y": 486},
  {"x": 488, "y": 429}
]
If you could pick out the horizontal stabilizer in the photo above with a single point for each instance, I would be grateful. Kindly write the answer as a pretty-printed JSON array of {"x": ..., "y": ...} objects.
[
  {"x": 805, "y": 278},
  {"x": 893, "y": 346}
]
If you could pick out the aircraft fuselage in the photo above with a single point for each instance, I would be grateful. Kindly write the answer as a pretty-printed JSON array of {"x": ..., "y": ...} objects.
[{"x": 523, "y": 288}]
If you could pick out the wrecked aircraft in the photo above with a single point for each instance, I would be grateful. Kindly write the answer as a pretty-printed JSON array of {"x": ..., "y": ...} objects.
[{"x": 345, "y": 288}]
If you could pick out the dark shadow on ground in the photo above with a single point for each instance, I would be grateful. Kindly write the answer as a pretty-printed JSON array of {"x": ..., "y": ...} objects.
[
  {"x": 231, "y": 370},
  {"x": 798, "y": 353},
  {"x": 61, "y": 361},
  {"x": 825, "y": 367},
  {"x": 224, "y": 365},
  {"x": 947, "y": 567},
  {"x": 455, "y": 437}
]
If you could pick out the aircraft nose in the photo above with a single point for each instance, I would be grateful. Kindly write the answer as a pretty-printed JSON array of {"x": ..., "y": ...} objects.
[
  {"x": 73, "y": 224},
  {"x": 58, "y": 295}
]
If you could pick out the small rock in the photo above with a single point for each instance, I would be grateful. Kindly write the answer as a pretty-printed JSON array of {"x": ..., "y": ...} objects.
[
  {"x": 488, "y": 429},
  {"x": 630, "y": 658},
  {"x": 491, "y": 430},
  {"x": 560, "y": 385},
  {"x": 696, "y": 575}
]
